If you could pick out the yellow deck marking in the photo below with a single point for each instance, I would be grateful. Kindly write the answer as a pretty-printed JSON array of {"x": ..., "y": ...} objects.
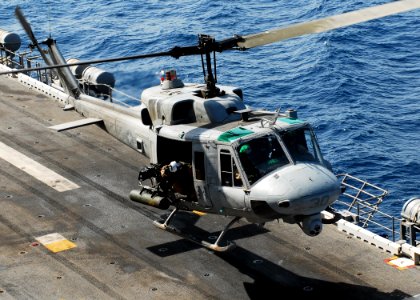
[
  {"x": 200, "y": 213},
  {"x": 400, "y": 263},
  {"x": 35, "y": 169},
  {"x": 55, "y": 242}
]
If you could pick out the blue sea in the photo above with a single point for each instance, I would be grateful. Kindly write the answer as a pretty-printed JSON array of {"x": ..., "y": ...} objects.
[{"x": 359, "y": 86}]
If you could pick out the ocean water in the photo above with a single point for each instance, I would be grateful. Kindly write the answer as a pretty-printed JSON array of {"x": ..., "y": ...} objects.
[{"x": 359, "y": 86}]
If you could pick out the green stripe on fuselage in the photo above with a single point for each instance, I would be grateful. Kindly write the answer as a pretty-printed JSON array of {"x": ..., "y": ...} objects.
[
  {"x": 290, "y": 121},
  {"x": 233, "y": 134}
]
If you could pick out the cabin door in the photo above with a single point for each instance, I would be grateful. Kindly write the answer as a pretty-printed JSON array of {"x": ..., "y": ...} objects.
[{"x": 200, "y": 174}]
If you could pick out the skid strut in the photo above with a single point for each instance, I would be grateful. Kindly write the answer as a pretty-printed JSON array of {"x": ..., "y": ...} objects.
[{"x": 212, "y": 246}]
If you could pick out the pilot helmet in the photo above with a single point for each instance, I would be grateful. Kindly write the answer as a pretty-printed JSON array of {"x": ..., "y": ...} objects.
[
  {"x": 173, "y": 166},
  {"x": 245, "y": 148}
]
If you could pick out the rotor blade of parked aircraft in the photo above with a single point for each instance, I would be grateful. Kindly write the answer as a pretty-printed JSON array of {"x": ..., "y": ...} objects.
[{"x": 27, "y": 27}]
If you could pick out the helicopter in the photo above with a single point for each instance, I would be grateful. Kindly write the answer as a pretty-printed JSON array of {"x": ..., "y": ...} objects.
[{"x": 209, "y": 152}]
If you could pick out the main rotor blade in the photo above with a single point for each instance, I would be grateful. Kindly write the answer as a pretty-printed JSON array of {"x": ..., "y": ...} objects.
[
  {"x": 328, "y": 23},
  {"x": 175, "y": 52},
  {"x": 97, "y": 61}
]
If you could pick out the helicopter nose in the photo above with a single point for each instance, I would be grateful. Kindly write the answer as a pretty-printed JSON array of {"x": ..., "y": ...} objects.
[{"x": 302, "y": 189}]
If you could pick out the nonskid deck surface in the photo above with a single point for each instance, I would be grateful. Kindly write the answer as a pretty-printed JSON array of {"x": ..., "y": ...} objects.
[{"x": 90, "y": 242}]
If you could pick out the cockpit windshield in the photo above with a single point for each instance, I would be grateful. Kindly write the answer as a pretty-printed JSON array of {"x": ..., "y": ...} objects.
[
  {"x": 260, "y": 156},
  {"x": 301, "y": 145}
]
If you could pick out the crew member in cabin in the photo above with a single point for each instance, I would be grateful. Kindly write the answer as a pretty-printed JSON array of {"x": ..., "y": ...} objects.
[{"x": 179, "y": 178}]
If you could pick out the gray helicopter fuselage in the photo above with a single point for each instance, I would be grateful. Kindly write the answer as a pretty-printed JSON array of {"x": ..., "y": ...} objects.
[
  {"x": 258, "y": 165},
  {"x": 178, "y": 124}
]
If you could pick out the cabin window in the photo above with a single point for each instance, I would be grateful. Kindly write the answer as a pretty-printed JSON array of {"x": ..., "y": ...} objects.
[
  {"x": 183, "y": 112},
  {"x": 145, "y": 117},
  {"x": 229, "y": 172},
  {"x": 200, "y": 172},
  {"x": 139, "y": 145}
]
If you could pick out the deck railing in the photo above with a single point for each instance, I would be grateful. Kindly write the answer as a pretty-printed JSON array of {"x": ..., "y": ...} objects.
[{"x": 362, "y": 199}]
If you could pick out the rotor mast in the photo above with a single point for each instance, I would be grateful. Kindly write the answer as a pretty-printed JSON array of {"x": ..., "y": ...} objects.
[{"x": 206, "y": 44}]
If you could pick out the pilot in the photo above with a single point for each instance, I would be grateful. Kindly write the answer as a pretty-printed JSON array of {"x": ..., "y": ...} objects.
[
  {"x": 246, "y": 157},
  {"x": 245, "y": 148},
  {"x": 237, "y": 180}
]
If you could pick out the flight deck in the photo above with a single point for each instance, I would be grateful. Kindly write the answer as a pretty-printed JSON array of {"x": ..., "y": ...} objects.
[{"x": 69, "y": 231}]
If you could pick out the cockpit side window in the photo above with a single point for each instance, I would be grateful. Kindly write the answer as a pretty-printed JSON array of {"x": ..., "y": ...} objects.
[
  {"x": 300, "y": 145},
  {"x": 229, "y": 172},
  {"x": 260, "y": 156}
]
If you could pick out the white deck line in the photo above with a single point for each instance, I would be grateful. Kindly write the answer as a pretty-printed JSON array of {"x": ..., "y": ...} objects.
[{"x": 35, "y": 169}]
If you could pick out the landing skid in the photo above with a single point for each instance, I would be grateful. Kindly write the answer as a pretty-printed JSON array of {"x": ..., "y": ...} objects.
[{"x": 211, "y": 246}]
